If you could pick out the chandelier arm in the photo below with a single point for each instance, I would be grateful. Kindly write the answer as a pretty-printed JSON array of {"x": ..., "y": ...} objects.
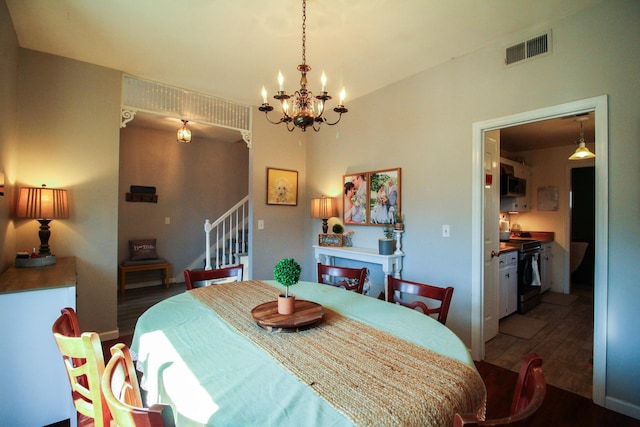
[
  {"x": 266, "y": 114},
  {"x": 334, "y": 123}
]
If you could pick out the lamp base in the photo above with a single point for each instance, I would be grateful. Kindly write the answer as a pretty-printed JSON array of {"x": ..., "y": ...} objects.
[{"x": 42, "y": 261}]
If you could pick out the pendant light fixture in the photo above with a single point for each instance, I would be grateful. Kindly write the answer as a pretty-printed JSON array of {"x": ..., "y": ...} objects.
[
  {"x": 302, "y": 109},
  {"x": 582, "y": 152},
  {"x": 184, "y": 134}
]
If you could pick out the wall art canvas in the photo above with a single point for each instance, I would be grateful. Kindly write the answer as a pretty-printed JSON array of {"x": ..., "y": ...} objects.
[{"x": 282, "y": 187}]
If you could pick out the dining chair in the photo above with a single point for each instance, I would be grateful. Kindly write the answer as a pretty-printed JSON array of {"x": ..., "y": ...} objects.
[
  {"x": 396, "y": 288},
  {"x": 528, "y": 396},
  {"x": 351, "y": 279},
  {"x": 122, "y": 392},
  {"x": 84, "y": 363},
  {"x": 209, "y": 277}
]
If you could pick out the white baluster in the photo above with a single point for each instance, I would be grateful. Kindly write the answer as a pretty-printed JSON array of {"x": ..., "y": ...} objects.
[{"x": 207, "y": 230}]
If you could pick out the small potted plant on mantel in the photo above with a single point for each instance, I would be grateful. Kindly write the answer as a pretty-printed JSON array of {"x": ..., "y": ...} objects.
[
  {"x": 399, "y": 224},
  {"x": 287, "y": 273}
]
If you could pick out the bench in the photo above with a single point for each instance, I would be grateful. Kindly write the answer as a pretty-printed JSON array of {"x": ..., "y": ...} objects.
[{"x": 144, "y": 265}]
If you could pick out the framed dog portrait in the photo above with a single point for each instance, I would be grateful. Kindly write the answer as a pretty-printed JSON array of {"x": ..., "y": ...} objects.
[
  {"x": 282, "y": 187},
  {"x": 355, "y": 206}
]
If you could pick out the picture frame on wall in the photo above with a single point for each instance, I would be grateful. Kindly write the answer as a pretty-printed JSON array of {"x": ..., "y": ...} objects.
[
  {"x": 282, "y": 187},
  {"x": 384, "y": 196},
  {"x": 355, "y": 204}
]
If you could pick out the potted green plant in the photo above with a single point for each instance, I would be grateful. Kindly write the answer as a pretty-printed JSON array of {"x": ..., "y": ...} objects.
[
  {"x": 287, "y": 273},
  {"x": 337, "y": 228},
  {"x": 399, "y": 225}
]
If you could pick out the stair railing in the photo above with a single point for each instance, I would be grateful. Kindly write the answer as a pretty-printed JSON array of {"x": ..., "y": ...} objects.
[{"x": 229, "y": 236}]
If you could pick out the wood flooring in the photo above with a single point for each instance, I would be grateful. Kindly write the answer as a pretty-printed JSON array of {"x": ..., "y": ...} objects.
[{"x": 561, "y": 406}]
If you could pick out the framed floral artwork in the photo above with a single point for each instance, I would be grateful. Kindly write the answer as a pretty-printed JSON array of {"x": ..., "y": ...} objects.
[{"x": 282, "y": 187}]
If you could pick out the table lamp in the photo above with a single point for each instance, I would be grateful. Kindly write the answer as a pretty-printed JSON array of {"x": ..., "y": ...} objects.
[
  {"x": 43, "y": 204},
  {"x": 324, "y": 208}
]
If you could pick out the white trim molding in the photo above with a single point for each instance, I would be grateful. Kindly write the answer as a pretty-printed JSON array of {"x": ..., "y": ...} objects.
[{"x": 599, "y": 105}]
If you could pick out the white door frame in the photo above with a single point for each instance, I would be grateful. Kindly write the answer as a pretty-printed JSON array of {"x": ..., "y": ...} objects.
[{"x": 599, "y": 105}]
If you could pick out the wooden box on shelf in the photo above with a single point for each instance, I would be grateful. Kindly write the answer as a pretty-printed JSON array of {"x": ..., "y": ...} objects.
[{"x": 330, "y": 239}]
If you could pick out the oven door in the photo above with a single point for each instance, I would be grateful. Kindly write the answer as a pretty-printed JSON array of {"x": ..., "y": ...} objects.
[{"x": 529, "y": 294}]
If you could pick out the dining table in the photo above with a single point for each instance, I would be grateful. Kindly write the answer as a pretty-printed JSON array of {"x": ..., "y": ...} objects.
[{"x": 363, "y": 361}]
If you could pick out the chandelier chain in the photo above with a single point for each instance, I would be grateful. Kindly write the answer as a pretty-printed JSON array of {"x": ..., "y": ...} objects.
[{"x": 304, "y": 32}]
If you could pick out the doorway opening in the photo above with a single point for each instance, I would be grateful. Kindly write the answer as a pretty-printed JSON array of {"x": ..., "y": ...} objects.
[{"x": 599, "y": 106}]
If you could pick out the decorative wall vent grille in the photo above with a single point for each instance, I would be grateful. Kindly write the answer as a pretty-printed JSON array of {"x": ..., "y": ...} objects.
[
  {"x": 153, "y": 97},
  {"x": 535, "y": 46}
]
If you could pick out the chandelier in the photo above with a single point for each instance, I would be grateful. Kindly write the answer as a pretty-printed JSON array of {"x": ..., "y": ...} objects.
[{"x": 302, "y": 109}]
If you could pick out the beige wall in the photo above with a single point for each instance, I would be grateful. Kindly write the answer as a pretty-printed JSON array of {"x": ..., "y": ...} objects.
[
  {"x": 283, "y": 234},
  {"x": 8, "y": 132},
  {"x": 68, "y": 121},
  {"x": 194, "y": 182},
  {"x": 424, "y": 125}
]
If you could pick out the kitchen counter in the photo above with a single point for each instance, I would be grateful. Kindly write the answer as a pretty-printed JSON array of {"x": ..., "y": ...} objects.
[
  {"x": 59, "y": 275},
  {"x": 542, "y": 236},
  {"x": 508, "y": 247}
]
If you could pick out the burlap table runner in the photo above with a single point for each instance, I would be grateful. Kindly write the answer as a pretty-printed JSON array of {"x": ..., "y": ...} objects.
[{"x": 370, "y": 376}]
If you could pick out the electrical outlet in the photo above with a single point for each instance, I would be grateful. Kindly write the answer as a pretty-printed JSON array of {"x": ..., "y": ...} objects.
[
  {"x": 261, "y": 224},
  {"x": 445, "y": 231},
  {"x": 167, "y": 220}
]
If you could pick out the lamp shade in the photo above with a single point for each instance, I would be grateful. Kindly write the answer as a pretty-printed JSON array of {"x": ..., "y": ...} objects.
[
  {"x": 582, "y": 152},
  {"x": 42, "y": 202},
  {"x": 324, "y": 207}
]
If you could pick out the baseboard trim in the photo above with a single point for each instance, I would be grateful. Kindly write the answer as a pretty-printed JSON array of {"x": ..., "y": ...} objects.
[
  {"x": 623, "y": 407},
  {"x": 109, "y": 335}
]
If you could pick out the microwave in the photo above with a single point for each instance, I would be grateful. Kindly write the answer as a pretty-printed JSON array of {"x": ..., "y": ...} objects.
[{"x": 510, "y": 186}]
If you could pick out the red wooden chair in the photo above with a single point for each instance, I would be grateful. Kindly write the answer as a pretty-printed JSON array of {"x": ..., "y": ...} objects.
[
  {"x": 209, "y": 277},
  {"x": 84, "y": 362},
  {"x": 122, "y": 393},
  {"x": 351, "y": 279},
  {"x": 443, "y": 295},
  {"x": 527, "y": 398}
]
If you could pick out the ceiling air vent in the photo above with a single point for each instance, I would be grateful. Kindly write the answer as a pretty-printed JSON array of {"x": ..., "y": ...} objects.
[{"x": 535, "y": 46}]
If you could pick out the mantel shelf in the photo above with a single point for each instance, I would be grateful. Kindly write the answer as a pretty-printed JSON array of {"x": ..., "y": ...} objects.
[{"x": 391, "y": 264}]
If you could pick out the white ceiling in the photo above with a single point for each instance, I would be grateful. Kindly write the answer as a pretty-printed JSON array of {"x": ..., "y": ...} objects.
[{"x": 231, "y": 48}]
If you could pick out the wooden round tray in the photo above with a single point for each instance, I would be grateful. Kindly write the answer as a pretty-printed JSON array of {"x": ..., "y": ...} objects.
[{"x": 306, "y": 314}]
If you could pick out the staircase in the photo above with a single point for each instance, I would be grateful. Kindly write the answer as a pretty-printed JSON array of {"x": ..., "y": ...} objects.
[{"x": 227, "y": 238}]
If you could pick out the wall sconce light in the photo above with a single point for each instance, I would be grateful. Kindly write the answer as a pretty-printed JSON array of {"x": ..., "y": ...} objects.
[
  {"x": 324, "y": 208},
  {"x": 43, "y": 204},
  {"x": 184, "y": 134}
]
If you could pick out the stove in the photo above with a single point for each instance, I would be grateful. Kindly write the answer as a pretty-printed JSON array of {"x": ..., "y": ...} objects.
[{"x": 529, "y": 294}]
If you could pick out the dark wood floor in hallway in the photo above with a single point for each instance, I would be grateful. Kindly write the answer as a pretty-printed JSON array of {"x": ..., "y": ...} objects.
[{"x": 561, "y": 407}]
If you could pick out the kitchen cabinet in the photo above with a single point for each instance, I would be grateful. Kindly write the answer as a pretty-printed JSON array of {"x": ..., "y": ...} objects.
[
  {"x": 35, "y": 387},
  {"x": 517, "y": 204},
  {"x": 546, "y": 259},
  {"x": 508, "y": 294}
]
